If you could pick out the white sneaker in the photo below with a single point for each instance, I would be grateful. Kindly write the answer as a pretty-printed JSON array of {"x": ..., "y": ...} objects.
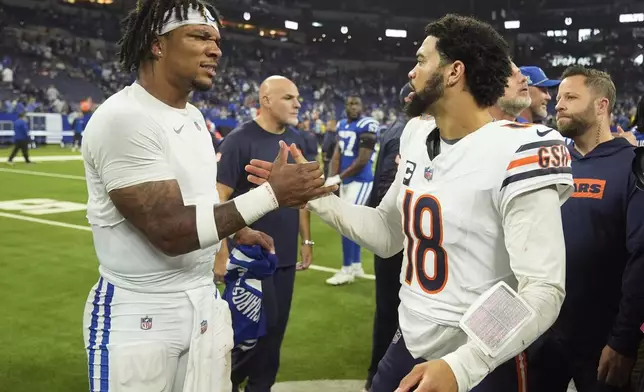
[
  {"x": 341, "y": 277},
  {"x": 357, "y": 270}
]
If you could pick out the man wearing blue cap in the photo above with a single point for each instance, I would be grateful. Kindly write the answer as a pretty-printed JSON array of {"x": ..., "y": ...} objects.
[{"x": 538, "y": 85}]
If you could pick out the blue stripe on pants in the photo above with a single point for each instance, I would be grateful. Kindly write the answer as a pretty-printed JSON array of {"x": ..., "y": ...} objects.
[
  {"x": 92, "y": 332},
  {"x": 101, "y": 309}
]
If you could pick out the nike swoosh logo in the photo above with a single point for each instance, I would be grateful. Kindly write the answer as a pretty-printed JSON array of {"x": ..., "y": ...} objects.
[
  {"x": 178, "y": 131},
  {"x": 544, "y": 133}
]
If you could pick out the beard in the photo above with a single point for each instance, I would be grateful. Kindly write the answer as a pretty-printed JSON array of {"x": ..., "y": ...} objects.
[
  {"x": 423, "y": 99},
  {"x": 514, "y": 106},
  {"x": 577, "y": 124}
]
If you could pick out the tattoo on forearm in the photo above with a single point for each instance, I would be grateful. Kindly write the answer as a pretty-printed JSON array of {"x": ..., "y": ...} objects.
[
  {"x": 157, "y": 209},
  {"x": 228, "y": 219}
]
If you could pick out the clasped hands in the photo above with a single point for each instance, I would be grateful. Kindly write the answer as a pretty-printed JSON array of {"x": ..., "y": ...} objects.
[{"x": 295, "y": 184}]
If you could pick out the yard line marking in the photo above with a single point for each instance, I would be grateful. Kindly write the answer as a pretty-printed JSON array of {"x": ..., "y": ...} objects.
[
  {"x": 43, "y": 174},
  {"x": 333, "y": 270},
  {"x": 45, "y": 221},
  {"x": 87, "y": 228},
  {"x": 46, "y": 158}
]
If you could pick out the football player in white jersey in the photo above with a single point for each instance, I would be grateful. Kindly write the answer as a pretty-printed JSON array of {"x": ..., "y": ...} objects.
[
  {"x": 154, "y": 322},
  {"x": 476, "y": 202}
]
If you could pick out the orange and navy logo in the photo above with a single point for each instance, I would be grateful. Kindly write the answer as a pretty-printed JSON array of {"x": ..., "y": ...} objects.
[{"x": 589, "y": 188}]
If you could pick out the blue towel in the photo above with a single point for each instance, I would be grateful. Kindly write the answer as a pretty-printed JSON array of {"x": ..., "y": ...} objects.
[{"x": 247, "y": 266}]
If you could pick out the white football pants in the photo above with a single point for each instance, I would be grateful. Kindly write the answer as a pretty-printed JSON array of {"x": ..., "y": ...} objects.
[{"x": 144, "y": 342}]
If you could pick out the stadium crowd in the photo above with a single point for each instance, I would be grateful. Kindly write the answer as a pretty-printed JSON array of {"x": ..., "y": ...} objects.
[{"x": 61, "y": 61}]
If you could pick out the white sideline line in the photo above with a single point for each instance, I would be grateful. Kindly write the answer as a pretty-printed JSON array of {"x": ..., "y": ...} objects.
[
  {"x": 46, "y": 158},
  {"x": 43, "y": 174},
  {"x": 45, "y": 221},
  {"x": 87, "y": 228},
  {"x": 333, "y": 270}
]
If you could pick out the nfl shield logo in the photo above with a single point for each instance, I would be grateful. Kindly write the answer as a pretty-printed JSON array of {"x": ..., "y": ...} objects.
[
  {"x": 429, "y": 173},
  {"x": 146, "y": 323},
  {"x": 197, "y": 125},
  {"x": 204, "y": 326}
]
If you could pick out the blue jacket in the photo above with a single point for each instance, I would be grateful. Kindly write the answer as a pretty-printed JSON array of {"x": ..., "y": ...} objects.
[
  {"x": 21, "y": 130},
  {"x": 604, "y": 230}
]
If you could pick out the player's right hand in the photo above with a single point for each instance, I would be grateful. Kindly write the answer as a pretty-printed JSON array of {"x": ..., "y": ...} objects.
[{"x": 295, "y": 184}]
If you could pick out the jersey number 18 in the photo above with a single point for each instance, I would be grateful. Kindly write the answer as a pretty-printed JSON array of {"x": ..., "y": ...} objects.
[{"x": 420, "y": 243}]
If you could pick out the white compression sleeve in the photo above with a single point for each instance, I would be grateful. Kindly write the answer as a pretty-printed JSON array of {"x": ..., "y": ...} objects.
[
  {"x": 535, "y": 241},
  {"x": 377, "y": 229}
]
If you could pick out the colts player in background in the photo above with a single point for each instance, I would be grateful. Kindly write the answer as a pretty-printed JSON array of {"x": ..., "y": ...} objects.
[
  {"x": 351, "y": 166},
  {"x": 595, "y": 338}
]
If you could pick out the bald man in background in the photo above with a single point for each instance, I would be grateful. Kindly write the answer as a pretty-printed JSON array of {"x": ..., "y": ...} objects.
[{"x": 259, "y": 139}]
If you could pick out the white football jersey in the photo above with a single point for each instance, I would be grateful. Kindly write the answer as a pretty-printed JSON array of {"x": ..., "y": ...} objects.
[
  {"x": 135, "y": 138},
  {"x": 452, "y": 210}
]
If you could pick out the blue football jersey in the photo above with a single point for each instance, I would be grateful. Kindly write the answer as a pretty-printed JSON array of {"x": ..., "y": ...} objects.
[
  {"x": 349, "y": 143},
  {"x": 639, "y": 136}
]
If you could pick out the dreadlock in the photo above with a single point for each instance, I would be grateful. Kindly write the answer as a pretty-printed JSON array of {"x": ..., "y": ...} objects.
[{"x": 143, "y": 23}]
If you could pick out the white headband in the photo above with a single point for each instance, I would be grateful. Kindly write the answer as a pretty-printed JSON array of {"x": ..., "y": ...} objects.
[{"x": 195, "y": 17}]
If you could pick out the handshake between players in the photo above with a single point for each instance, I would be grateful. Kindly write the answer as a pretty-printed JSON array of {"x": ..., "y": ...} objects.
[{"x": 293, "y": 184}]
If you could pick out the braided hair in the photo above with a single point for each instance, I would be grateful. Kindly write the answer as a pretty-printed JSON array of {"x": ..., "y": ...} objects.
[{"x": 143, "y": 23}]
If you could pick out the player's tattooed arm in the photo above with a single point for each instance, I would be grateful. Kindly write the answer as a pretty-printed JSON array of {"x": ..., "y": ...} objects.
[
  {"x": 156, "y": 208},
  {"x": 367, "y": 145}
]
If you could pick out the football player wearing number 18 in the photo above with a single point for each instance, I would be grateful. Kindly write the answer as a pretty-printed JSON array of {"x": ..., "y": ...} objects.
[{"x": 475, "y": 202}]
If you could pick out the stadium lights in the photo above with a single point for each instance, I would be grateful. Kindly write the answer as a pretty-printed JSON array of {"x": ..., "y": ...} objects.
[
  {"x": 289, "y": 24},
  {"x": 568, "y": 21},
  {"x": 246, "y": 16},
  {"x": 393, "y": 33},
  {"x": 630, "y": 18},
  {"x": 316, "y": 24},
  {"x": 512, "y": 24},
  {"x": 344, "y": 29}
]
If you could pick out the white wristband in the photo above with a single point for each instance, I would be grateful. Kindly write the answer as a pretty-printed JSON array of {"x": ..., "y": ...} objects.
[
  {"x": 206, "y": 226},
  {"x": 255, "y": 204}
]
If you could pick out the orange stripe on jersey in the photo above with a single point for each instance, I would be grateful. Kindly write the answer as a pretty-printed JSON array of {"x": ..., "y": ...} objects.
[
  {"x": 517, "y": 125},
  {"x": 523, "y": 161}
]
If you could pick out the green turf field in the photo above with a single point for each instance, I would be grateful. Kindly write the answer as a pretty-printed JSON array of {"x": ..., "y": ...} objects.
[{"x": 47, "y": 271}]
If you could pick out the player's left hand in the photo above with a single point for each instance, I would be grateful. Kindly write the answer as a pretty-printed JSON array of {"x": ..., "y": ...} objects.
[
  {"x": 614, "y": 368},
  {"x": 431, "y": 376},
  {"x": 306, "y": 252},
  {"x": 247, "y": 236}
]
